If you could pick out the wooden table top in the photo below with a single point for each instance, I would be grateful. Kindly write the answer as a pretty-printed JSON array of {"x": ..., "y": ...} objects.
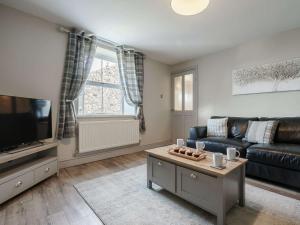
[{"x": 202, "y": 165}]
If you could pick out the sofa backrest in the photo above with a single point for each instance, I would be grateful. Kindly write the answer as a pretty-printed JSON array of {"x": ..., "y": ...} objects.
[
  {"x": 237, "y": 126},
  {"x": 288, "y": 130}
]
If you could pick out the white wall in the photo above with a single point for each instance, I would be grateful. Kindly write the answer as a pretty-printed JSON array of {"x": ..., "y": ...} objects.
[
  {"x": 214, "y": 81},
  {"x": 32, "y": 55}
]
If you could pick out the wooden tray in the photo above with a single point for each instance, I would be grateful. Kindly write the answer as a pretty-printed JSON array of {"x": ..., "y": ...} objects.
[{"x": 202, "y": 156}]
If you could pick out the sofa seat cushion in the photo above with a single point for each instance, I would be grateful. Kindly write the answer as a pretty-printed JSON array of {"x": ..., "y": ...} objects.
[
  {"x": 219, "y": 144},
  {"x": 279, "y": 155}
]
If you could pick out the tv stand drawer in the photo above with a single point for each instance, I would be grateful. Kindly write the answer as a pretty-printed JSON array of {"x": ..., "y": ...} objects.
[
  {"x": 22, "y": 170},
  {"x": 15, "y": 186},
  {"x": 45, "y": 171}
]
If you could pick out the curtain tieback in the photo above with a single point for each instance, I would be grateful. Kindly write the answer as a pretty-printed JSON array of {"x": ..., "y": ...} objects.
[{"x": 69, "y": 101}]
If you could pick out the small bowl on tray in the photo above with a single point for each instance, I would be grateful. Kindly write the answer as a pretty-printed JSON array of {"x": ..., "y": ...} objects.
[{"x": 187, "y": 153}]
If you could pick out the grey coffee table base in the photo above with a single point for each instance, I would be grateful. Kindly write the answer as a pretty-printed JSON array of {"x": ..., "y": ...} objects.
[{"x": 215, "y": 194}]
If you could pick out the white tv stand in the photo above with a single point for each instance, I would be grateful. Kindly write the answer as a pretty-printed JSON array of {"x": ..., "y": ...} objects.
[{"x": 23, "y": 169}]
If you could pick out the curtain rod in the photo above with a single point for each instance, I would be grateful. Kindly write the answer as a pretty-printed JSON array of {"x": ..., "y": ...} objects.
[
  {"x": 104, "y": 41},
  {"x": 100, "y": 39}
]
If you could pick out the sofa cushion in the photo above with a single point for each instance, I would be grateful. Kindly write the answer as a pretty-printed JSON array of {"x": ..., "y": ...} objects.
[
  {"x": 191, "y": 143},
  {"x": 217, "y": 127},
  {"x": 279, "y": 155},
  {"x": 288, "y": 130},
  {"x": 261, "y": 132},
  {"x": 198, "y": 132},
  {"x": 219, "y": 144},
  {"x": 237, "y": 126}
]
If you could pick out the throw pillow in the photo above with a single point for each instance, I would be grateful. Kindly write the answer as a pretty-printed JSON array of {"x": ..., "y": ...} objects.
[
  {"x": 261, "y": 132},
  {"x": 217, "y": 127}
]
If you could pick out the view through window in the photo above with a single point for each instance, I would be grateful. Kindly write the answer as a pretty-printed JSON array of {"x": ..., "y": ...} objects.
[{"x": 102, "y": 94}]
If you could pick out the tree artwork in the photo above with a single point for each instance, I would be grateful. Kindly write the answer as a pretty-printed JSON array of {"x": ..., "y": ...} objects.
[{"x": 282, "y": 76}]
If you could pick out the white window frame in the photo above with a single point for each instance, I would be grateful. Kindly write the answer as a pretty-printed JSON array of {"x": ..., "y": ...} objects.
[{"x": 105, "y": 85}]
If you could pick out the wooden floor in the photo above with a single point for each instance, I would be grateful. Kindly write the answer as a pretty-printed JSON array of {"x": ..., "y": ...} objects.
[{"x": 55, "y": 201}]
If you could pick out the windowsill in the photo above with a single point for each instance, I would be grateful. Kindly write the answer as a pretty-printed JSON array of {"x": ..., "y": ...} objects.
[{"x": 83, "y": 117}]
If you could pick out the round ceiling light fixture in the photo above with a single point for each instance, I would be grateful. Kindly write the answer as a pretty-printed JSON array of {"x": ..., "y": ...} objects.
[{"x": 189, "y": 7}]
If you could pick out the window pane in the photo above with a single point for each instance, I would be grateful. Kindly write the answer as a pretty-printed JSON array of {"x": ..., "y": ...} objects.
[
  {"x": 110, "y": 72},
  {"x": 92, "y": 100},
  {"x": 112, "y": 100},
  {"x": 96, "y": 70},
  {"x": 80, "y": 106},
  {"x": 188, "y": 92},
  {"x": 128, "y": 109},
  {"x": 178, "y": 93}
]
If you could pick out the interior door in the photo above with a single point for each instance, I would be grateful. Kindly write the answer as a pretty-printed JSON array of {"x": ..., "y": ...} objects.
[{"x": 184, "y": 107}]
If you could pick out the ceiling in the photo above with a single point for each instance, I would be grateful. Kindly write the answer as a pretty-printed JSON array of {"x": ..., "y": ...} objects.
[{"x": 152, "y": 26}]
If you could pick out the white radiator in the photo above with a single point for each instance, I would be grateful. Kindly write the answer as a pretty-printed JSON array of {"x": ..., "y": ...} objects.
[{"x": 99, "y": 135}]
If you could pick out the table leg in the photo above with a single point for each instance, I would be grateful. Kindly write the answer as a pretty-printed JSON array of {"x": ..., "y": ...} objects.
[
  {"x": 221, "y": 218},
  {"x": 242, "y": 186},
  {"x": 149, "y": 182},
  {"x": 221, "y": 213}
]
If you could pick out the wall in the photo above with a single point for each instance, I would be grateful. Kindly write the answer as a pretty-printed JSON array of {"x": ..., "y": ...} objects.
[
  {"x": 156, "y": 110},
  {"x": 31, "y": 57},
  {"x": 32, "y": 54},
  {"x": 214, "y": 81}
]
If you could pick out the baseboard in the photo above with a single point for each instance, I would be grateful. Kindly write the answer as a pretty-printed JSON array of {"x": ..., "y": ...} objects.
[{"x": 82, "y": 159}]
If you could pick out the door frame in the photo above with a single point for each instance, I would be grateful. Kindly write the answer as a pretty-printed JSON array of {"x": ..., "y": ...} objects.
[{"x": 182, "y": 72}]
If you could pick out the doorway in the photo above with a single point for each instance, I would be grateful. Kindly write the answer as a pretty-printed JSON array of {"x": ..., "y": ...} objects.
[{"x": 184, "y": 103}]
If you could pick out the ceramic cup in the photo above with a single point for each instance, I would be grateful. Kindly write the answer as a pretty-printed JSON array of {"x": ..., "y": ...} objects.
[
  {"x": 200, "y": 146},
  {"x": 180, "y": 143},
  {"x": 218, "y": 160},
  {"x": 232, "y": 154}
]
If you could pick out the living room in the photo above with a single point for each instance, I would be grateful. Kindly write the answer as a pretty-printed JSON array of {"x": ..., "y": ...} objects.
[{"x": 184, "y": 112}]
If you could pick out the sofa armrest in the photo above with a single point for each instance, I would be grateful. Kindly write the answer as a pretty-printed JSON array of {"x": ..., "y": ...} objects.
[{"x": 198, "y": 133}]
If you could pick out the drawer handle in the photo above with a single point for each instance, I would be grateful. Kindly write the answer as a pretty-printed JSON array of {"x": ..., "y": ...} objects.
[
  {"x": 19, "y": 183},
  {"x": 159, "y": 163},
  {"x": 193, "y": 176},
  {"x": 47, "y": 170}
]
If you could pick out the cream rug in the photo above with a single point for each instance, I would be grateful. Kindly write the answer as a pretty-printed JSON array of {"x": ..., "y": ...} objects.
[{"x": 123, "y": 199}]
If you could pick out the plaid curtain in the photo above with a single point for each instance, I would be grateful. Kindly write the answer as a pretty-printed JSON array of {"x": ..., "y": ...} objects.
[
  {"x": 131, "y": 66},
  {"x": 78, "y": 61}
]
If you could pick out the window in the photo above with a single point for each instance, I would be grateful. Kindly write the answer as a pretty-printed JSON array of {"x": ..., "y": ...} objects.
[
  {"x": 188, "y": 92},
  {"x": 103, "y": 94},
  {"x": 183, "y": 92},
  {"x": 178, "y": 93}
]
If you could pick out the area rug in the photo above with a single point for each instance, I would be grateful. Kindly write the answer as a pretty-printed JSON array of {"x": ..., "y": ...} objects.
[{"x": 123, "y": 199}]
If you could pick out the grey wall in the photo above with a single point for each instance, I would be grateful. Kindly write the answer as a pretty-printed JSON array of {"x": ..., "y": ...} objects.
[
  {"x": 215, "y": 85},
  {"x": 32, "y": 55}
]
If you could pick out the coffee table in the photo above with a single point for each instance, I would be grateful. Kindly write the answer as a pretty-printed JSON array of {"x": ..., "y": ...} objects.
[{"x": 213, "y": 190}]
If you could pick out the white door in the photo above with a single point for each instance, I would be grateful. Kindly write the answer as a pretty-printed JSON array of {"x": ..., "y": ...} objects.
[{"x": 184, "y": 107}]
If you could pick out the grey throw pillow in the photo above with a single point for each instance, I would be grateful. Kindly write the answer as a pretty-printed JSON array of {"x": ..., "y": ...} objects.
[
  {"x": 217, "y": 127},
  {"x": 261, "y": 132}
]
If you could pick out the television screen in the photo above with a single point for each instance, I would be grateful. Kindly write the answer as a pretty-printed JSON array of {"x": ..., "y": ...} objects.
[{"x": 23, "y": 121}]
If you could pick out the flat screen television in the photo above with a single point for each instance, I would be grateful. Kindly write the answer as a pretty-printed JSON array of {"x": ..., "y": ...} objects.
[{"x": 23, "y": 121}]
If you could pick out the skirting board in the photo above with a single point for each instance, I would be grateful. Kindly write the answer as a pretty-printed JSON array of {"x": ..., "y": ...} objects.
[{"x": 82, "y": 159}]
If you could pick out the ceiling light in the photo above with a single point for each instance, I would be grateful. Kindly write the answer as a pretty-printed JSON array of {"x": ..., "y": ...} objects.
[{"x": 189, "y": 7}]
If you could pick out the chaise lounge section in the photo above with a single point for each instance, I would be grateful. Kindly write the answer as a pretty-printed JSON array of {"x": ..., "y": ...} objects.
[{"x": 278, "y": 162}]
